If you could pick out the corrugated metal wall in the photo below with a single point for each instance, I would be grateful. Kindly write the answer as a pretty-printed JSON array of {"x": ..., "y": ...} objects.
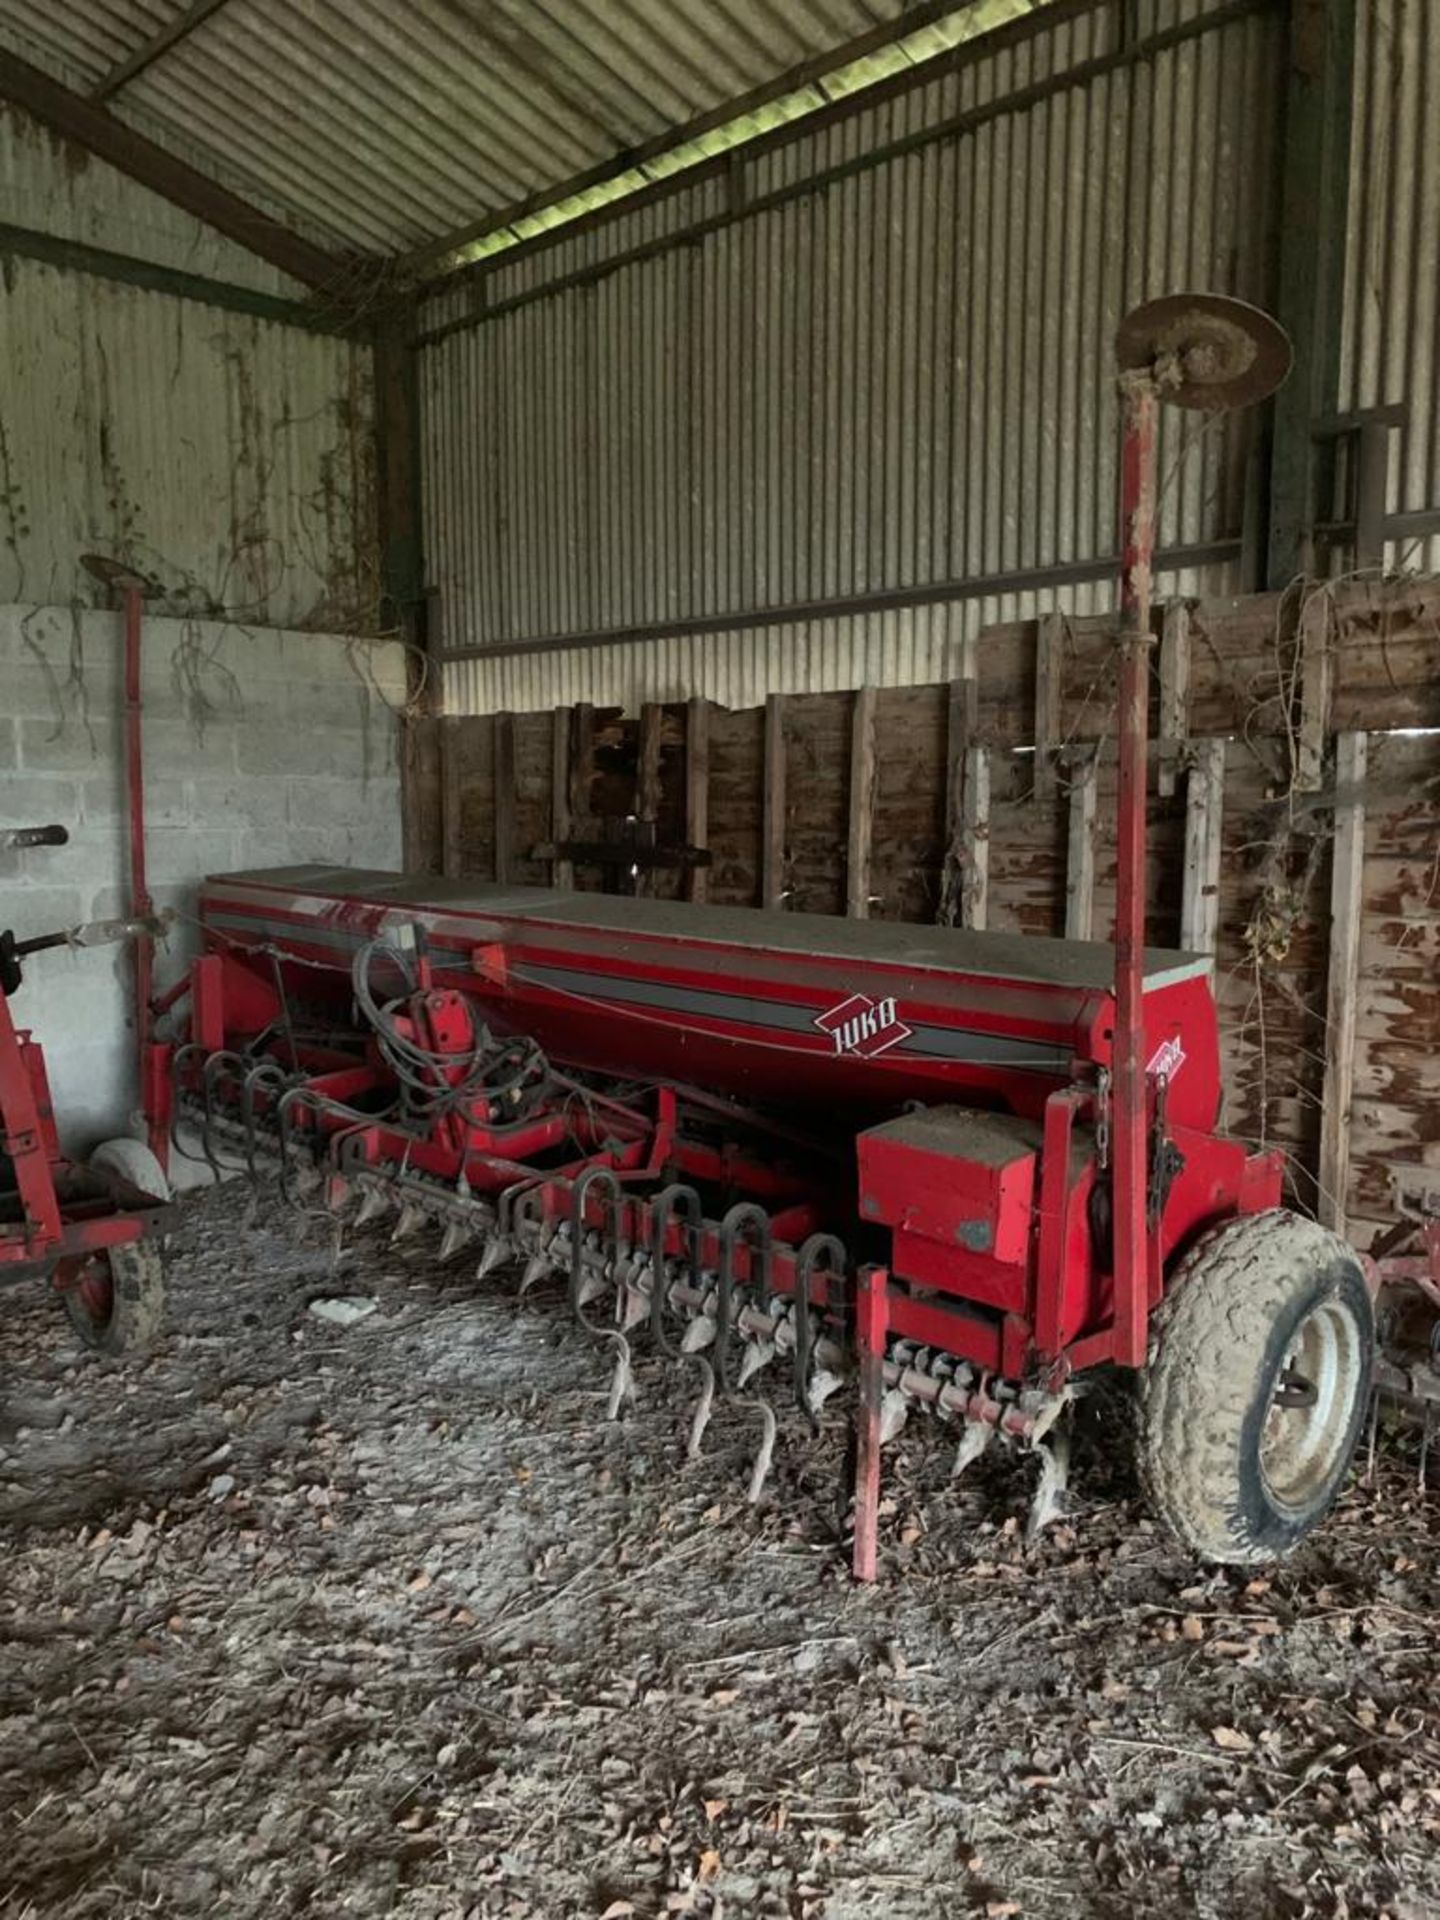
[
  {"x": 230, "y": 457},
  {"x": 894, "y": 376},
  {"x": 1391, "y": 339}
]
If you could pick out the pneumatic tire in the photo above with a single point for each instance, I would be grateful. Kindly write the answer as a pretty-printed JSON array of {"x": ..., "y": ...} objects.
[
  {"x": 1256, "y": 1386},
  {"x": 115, "y": 1299}
]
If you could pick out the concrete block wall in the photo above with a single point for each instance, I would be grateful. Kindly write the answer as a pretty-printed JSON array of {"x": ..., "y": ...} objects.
[{"x": 262, "y": 748}]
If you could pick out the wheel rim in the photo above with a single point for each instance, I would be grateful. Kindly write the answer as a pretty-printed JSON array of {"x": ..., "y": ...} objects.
[
  {"x": 1306, "y": 1437},
  {"x": 91, "y": 1287}
]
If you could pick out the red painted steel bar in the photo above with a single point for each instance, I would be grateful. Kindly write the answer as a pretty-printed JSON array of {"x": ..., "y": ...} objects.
[
  {"x": 141, "y": 905},
  {"x": 1137, "y": 505},
  {"x": 871, "y": 1324}
]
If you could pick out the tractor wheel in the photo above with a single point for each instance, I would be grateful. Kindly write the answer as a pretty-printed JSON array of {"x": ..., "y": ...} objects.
[
  {"x": 1256, "y": 1386},
  {"x": 115, "y": 1300},
  {"x": 133, "y": 1162}
]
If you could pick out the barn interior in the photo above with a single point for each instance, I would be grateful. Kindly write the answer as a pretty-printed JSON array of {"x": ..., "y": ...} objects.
[{"x": 719, "y": 958}]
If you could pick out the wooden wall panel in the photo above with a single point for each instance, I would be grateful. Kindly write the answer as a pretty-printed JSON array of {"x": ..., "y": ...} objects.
[
  {"x": 1395, "y": 1115},
  {"x": 1381, "y": 664},
  {"x": 908, "y": 842},
  {"x": 817, "y": 792},
  {"x": 737, "y": 746},
  {"x": 421, "y": 794}
]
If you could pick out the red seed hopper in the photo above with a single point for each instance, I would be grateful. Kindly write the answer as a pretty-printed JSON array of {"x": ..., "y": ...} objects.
[{"x": 928, "y": 1168}]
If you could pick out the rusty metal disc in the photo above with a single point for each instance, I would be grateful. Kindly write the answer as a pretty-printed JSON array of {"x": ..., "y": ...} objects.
[
  {"x": 1205, "y": 350},
  {"x": 115, "y": 574}
]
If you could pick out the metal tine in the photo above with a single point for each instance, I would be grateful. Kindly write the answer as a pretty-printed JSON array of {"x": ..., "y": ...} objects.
[
  {"x": 622, "y": 1380},
  {"x": 824, "y": 1385},
  {"x": 698, "y": 1335},
  {"x": 704, "y": 1406},
  {"x": 634, "y": 1298},
  {"x": 757, "y": 1354},
  {"x": 677, "y": 1201},
  {"x": 412, "y": 1218},
  {"x": 458, "y": 1234},
  {"x": 375, "y": 1203},
  {"x": 894, "y": 1412},
  {"x": 975, "y": 1438},
  {"x": 813, "y": 1384},
  {"x": 760, "y": 1472},
  {"x": 1049, "y": 1501},
  {"x": 541, "y": 1264},
  {"x": 497, "y": 1251},
  {"x": 1374, "y": 1434},
  {"x": 580, "y": 1291},
  {"x": 1425, "y": 1443},
  {"x": 593, "y": 1282},
  {"x": 745, "y": 1216}
]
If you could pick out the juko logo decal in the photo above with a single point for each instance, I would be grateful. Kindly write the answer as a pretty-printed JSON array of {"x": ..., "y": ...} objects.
[
  {"x": 1167, "y": 1059},
  {"x": 863, "y": 1026}
]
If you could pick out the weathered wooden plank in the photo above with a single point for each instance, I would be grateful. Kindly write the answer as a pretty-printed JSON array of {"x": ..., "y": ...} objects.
[
  {"x": 697, "y": 790},
  {"x": 1204, "y": 824},
  {"x": 1347, "y": 885},
  {"x": 647, "y": 775},
  {"x": 421, "y": 798},
  {"x": 1317, "y": 676},
  {"x": 450, "y": 799},
  {"x": 1174, "y": 694},
  {"x": 504, "y": 798},
  {"x": 1080, "y": 857},
  {"x": 562, "y": 871},
  {"x": 962, "y": 718},
  {"x": 1049, "y": 694},
  {"x": 975, "y": 839},
  {"x": 772, "y": 852},
  {"x": 647, "y": 778},
  {"x": 582, "y": 760},
  {"x": 862, "y": 805}
]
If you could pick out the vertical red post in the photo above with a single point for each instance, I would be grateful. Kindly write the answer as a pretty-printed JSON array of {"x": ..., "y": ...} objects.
[
  {"x": 140, "y": 901},
  {"x": 872, "y": 1318},
  {"x": 1137, "y": 508},
  {"x": 27, "y": 1133}
]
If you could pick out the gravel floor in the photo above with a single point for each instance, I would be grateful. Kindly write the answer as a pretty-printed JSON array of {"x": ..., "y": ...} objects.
[{"x": 388, "y": 1619}]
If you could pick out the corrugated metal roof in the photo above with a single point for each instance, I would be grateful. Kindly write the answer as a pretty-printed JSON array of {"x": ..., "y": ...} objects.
[
  {"x": 889, "y": 372},
  {"x": 384, "y": 129}
]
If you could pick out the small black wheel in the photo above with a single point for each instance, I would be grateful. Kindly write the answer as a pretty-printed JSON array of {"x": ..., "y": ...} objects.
[
  {"x": 1256, "y": 1386},
  {"x": 115, "y": 1299}
]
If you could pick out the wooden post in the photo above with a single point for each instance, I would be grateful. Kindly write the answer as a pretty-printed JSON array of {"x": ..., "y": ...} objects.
[
  {"x": 975, "y": 839},
  {"x": 1174, "y": 694},
  {"x": 697, "y": 790},
  {"x": 504, "y": 798},
  {"x": 961, "y": 725},
  {"x": 862, "y": 804},
  {"x": 772, "y": 857},
  {"x": 1204, "y": 816},
  {"x": 647, "y": 785},
  {"x": 1316, "y": 676},
  {"x": 1080, "y": 859},
  {"x": 647, "y": 778},
  {"x": 1049, "y": 684},
  {"x": 1347, "y": 900},
  {"x": 421, "y": 795},
  {"x": 582, "y": 760},
  {"x": 449, "y": 798},
  {"x": 562, "y": 871}
]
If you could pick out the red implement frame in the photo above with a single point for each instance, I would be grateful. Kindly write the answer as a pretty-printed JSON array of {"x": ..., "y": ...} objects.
[
  {"x": 1131, "y": 1109},
  {"x": 1032, "y": 1117}
]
